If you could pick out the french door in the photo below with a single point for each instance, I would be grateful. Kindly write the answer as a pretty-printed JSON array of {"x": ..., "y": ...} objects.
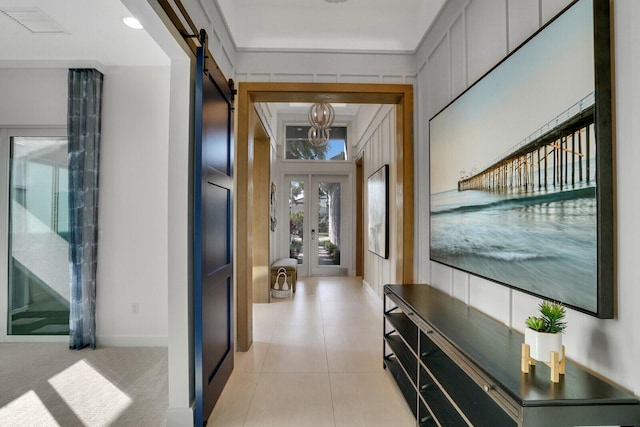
[{"x": 318, "y": 207}]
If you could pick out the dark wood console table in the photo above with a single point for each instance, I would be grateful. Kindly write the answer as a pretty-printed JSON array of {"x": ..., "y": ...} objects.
[{"x": 456, "y": 366}]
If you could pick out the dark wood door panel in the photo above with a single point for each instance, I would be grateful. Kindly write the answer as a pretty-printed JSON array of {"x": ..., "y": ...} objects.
[
  {"x": 216, "y": 228},
  {"x": 213, "y": 268}
]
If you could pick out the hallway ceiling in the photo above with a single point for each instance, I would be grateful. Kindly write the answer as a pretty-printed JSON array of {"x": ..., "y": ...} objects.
[{"x": 351, "y": 25}]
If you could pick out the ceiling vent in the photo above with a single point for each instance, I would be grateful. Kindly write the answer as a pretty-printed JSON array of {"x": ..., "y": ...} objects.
[{"x": 33, "y": 19}]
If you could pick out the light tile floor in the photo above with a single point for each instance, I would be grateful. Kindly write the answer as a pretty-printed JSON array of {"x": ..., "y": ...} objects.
[{"x": 316, "y": 360}]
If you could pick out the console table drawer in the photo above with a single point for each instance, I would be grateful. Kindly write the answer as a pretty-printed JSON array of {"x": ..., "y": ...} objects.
[
  {"x": 437, "y": 403},
  {"x": 474, "y": 401}
]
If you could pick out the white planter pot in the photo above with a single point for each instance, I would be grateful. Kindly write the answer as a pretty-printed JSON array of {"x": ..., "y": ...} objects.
[{"x": 541, "y": 344}]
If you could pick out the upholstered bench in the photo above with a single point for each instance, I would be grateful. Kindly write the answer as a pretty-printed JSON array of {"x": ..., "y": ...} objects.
[{"x": 290, "y": 265}]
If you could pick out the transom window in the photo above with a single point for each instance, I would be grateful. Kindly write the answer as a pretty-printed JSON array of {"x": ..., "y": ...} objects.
[{"x": 297, "y": 146}]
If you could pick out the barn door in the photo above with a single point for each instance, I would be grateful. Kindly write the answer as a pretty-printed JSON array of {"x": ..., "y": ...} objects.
[{"x": 212, "y": 254}]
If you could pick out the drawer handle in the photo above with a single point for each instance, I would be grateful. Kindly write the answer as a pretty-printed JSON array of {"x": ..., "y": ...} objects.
[
  {"x": 488, "y": 388},
  {"x": 430, "y": 331},
  {"x": 409, "y": 313}
]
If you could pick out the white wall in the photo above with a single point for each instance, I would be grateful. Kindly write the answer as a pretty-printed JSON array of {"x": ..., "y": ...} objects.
[
  {"x": 132, "y": 255},
  {"x": 324, "y": 67},
  {"x": 364, "y": 120},
  {"x": 470, "y": 37},
  {"x": 378, "y": 147},
  {"x": 132, "y": 251},
  {"x": 33, "y": 97}
]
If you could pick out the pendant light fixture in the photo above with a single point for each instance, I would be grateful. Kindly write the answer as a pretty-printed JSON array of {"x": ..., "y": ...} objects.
[
  {"x": 321, "y": 116},
  {"x": 318, "y": 137}
]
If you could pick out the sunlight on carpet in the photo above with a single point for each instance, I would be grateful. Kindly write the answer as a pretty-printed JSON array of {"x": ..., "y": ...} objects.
[
  {"x": 29, "y": 409},
  {"x": 94, "y": 399},
  {"x": 46, "y": 384}
]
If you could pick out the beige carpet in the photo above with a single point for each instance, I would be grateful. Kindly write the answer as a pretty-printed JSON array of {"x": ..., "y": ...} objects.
[{"x": 50, "y": 385}]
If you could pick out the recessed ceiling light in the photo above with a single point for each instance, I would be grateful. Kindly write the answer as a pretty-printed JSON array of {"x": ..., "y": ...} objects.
[{"x": 132, "y": 22}]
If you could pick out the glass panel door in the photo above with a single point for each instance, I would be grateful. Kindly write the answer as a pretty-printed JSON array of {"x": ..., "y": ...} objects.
[
  {"x": 316, "y": 212},
  {"x": 326, "y": 224},
  {"x": 297, "y": 219},
  {"x": 38, "y": 229}
]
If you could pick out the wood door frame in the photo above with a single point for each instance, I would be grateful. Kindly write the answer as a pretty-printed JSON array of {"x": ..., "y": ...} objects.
[
  {"x": 249, "y": 93},
  {"x": 261, "y": 233},
  {"x": 359, "y": 226}
]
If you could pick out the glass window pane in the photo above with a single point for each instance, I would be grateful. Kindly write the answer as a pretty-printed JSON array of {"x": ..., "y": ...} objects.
[
  {"x": 296, "y": 221},
  {"x": 329, "y": 225},
  {"x": 62, "y": 204},
  {"x": 298, "y": 146},
  {"x": 39, "y": 256},
  {"x": 39, "y": 195}
]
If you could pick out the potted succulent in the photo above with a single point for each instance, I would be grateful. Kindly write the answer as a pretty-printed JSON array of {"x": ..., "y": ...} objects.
[{"x": 543, "y": 333}]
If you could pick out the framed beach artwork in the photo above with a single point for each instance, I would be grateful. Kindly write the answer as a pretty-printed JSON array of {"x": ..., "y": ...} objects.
[
  {"x": 378, "y": 212},
  {"x": 521, "y": 187}
]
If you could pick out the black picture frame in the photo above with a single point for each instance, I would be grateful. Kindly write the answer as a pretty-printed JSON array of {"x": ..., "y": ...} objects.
[
  {"x": 378, "y": 212},
  {"x": 570, "y": 225}
]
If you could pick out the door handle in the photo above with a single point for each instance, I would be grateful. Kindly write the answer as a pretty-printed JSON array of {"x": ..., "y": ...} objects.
[{"x": 313, "y": 234}]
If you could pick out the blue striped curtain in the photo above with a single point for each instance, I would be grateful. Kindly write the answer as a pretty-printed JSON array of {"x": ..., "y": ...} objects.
[{"x": 83, "y": 121}]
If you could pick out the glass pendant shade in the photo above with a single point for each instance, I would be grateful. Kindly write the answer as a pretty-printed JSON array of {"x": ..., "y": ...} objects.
[{"x": 321, "y": 115}]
